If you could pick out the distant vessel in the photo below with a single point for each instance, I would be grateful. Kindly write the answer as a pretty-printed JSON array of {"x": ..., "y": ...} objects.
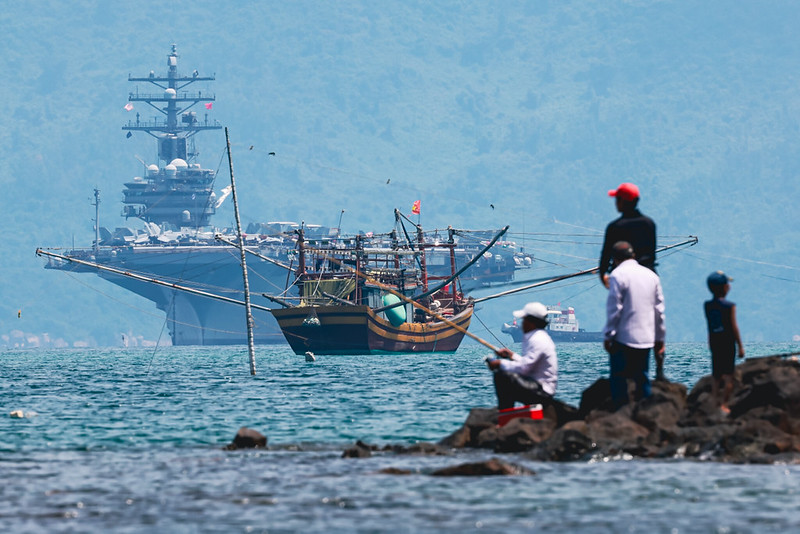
[
  {"x": 175, "y": 200},
  {"x": 563, "y": 326}
]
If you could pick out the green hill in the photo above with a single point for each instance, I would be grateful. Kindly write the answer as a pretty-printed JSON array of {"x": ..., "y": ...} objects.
[{"x": 536, "y": 108}]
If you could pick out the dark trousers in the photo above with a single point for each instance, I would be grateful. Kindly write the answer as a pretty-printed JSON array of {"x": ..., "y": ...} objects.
[
  {"x": 511, "y": 388},
  {"x": 628, "y": 364}
]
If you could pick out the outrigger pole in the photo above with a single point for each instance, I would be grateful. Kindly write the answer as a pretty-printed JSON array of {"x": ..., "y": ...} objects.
[
  {"x": 156, "y": 281},
  {"x": 691, "y": 241},
  {"x": 250, "y": 341}
]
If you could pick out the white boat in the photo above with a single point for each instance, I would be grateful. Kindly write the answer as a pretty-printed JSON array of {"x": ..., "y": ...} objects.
[{"x": 563, "y": 326}]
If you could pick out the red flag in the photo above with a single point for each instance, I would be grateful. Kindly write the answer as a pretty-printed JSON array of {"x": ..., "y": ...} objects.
[
  {"x": 128, "y": 106},
  {"x": 415, "y": 207},
  {"x": 209, "y": 104}
]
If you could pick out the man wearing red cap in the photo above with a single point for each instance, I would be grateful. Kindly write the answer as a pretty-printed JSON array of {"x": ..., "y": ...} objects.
[{"x": 637, "y": 229}]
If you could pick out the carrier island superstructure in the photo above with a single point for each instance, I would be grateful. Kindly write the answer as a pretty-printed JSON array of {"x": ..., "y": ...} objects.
[{"x": 175, "y": 201}]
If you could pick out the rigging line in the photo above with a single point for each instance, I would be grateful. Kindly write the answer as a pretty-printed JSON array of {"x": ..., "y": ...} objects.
[
  {"x": 781, "y": 278},
  {"x": 579, "y": 292},
  {"x": 554, "y": 234},
  {"x": 556, "y": 221},
  {"x": 757, "y": 262},
  {"x": 561, "y": 286},
  {"x": 250, "y": 269},
  {"x": 564, "y": 241},
  {"x": 487, "y": 329},
  {"x": 539, "y": 258},
  {"x": 158, "y": 343}
]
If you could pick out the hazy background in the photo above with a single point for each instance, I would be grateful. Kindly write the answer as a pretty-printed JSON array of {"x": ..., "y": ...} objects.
[{"x": 537, "y": 108}]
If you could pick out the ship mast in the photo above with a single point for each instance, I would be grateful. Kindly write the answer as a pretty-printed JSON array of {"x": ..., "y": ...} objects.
[{"x": 173, "y": 101}]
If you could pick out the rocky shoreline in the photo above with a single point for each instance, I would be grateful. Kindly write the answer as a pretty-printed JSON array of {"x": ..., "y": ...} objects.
[{"x": 763, "y": 425}]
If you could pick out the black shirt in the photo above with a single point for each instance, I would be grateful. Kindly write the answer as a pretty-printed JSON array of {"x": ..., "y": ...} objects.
[
  {"x": 719, "y": 316},
  {"x": 638, "y": 230}
]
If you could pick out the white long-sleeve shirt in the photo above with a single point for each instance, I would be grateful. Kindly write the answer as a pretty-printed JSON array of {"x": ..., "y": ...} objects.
[
  {"x": 635, "y": 306},
  {"x": 537, "y": 362}
]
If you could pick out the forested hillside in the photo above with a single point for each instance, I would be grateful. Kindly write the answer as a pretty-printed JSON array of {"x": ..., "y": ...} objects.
[{"x": 491, "y": 113}]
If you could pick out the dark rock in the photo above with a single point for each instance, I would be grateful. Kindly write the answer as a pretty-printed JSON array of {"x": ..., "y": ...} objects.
[
  {"x": 616, "y": 433},
  {"x": 661, "y": 410},
  {"x": 467, "y": 436},
  {"x": 459, "y": 439},
  {"x": 774, "y": 416},
  {"x": 699, "y": 442},
  {"x": 522, "y": 434},
  {"x": 560, "y": 413},
  {"x": 566, "y": 444},
  {"x": 247, "y": 438},
  {"x": 491, "y": 467},
  {"x": 701, "y": 407},
  {"x": 360, "y": 443},
  {"x": 616, "y": 427},
  {"x": 359, "y": 450},
  {"x": 486, "y": 438},
  {"x": 422, "y": 448},
  {"x": 776, "y": 385},
  {"x": 596, "y": 397},
  {"x": 672, "y": 391},
  {"x": 480, "y": 429},
  {"x": 756, "y": 437},
  {"x": 394, "y": 471},
  {"x": 481, "y": 417}
]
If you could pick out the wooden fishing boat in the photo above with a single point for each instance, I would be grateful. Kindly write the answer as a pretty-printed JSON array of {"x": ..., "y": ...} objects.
[
  {"x": 358, "y": 299},
  {"x": 359, "y": 330}
]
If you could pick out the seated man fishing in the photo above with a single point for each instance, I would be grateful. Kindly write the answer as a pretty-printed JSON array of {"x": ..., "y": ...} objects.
[{"x": 529, "y": 378}]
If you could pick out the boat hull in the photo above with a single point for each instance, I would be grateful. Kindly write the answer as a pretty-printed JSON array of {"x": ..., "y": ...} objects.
[{"x": 359, "y": 330}]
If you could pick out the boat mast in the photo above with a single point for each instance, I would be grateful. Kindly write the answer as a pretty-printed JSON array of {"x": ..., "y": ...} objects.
[
  {"x": 250, "y": 341},
  {"x": 423, "y": 265},
  {"x": 96, "y": 221}
]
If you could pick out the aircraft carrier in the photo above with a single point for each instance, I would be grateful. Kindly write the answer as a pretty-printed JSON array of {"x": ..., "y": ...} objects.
[{"x": 175, "y": 242}]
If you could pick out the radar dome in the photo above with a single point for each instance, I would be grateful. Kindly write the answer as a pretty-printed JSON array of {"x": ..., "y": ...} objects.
[
  {"x": 152, "y": 170},
  {"x": 179, "y": 163},
  {"x": 170, "y": 93},
  {"x": 170, "y": 170}
]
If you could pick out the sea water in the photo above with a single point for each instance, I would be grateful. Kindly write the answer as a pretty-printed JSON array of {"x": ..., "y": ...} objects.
[{"x": 131, "y": 440}]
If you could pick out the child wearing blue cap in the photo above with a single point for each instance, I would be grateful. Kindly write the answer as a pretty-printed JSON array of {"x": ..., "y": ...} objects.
[{"x": 723, "y": 336}]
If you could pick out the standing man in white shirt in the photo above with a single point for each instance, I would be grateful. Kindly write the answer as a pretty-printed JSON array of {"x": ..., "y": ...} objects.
[
  {"x": 635, "y": 323},
  {"x": 529, "y": 378}
]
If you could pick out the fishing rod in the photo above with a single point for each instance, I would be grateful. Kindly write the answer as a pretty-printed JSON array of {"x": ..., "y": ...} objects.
[{"x": 691, "y": 242}]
